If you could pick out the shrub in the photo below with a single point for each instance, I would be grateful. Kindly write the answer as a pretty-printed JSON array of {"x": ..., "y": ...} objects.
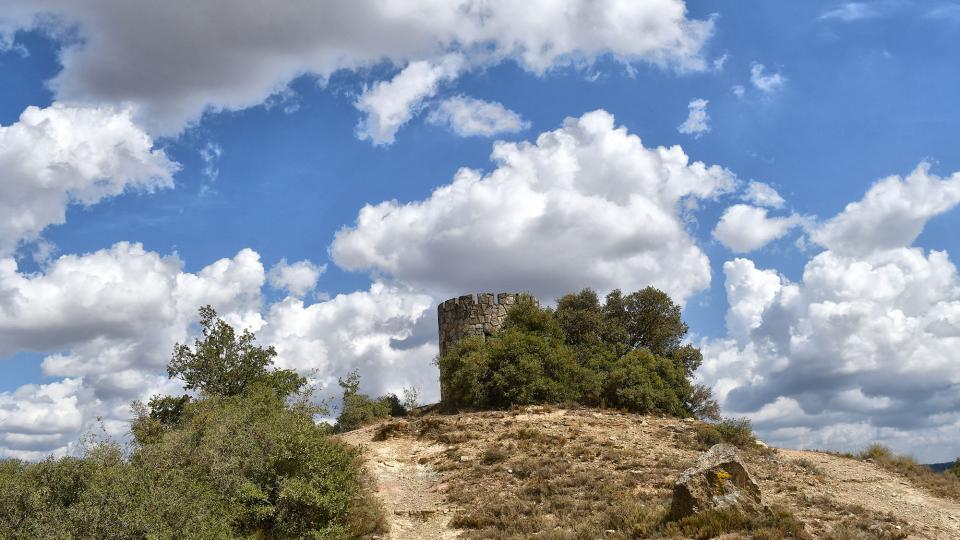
[
  {"x": 707, "y": 434},
  {"x": 358, "y": 410},
  {"x": 645, "y": 383},
  {"x": 736, "y": 431},
  {"x": 103, "y": 496},
  {"x": 876, "y": 452},
  {"x": 244, "y": 459},
  {"x": 288, "y": 478}
]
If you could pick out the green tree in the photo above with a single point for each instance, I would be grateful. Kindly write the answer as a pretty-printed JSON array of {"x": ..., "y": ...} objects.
[
  {"x": 653, "y": 322},
  {"x": 223, "y": 364}
]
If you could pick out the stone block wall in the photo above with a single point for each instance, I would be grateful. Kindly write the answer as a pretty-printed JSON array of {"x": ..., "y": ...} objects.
[{"x": 472, "y": 315}]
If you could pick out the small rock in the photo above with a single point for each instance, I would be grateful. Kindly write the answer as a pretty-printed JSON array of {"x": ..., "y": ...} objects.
[
  {"x": 718, "y": 480},
  {"x": 689, "y": 420},
  {"x": 464, "y": 458}
]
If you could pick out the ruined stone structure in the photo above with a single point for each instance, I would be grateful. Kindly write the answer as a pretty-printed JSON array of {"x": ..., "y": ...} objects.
[{"x": 470, "y": 315}]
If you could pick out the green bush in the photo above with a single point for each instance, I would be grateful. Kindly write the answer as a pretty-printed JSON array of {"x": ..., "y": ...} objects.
[
  {"x": 358, "y": 410},
  {"x": 243, "y": 459},
  {"x": 104, "y": 496},
  {"x": 626, "y": 353},
  {"x": 285, "y": 476},
  {"x": 735, "y": 431},
  {"x": 643, "y": 382}
]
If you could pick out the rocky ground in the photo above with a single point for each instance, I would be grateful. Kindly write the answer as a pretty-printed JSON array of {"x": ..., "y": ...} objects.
[{"x": 554, "y": 473}]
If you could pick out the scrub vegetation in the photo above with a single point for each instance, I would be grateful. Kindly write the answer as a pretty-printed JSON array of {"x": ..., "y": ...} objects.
[
  {"x": 625, "y": 353},
  {"x": 240, "y": 458}
]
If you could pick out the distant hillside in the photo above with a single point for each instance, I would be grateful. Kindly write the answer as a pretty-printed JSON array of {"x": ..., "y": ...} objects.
[
  {"x": 940, "y": 467},
  {"x": 542, "y": 472}
]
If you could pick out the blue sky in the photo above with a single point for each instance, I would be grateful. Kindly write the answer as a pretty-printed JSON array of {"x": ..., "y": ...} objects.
[{"x": 240, "y": 157}]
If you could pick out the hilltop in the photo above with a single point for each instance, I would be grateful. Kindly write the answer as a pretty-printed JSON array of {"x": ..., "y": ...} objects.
[{"x": 586, "y": 473}]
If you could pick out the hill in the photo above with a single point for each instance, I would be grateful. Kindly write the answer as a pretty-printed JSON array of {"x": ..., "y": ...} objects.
[{"x": 584, "y": 473}]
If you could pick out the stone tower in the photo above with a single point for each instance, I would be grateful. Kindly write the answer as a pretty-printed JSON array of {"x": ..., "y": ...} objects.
[{"x": 470, "y": 315}]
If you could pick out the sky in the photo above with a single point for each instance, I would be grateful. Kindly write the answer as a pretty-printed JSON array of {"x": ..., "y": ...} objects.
[{"x": 325, "y": 173}]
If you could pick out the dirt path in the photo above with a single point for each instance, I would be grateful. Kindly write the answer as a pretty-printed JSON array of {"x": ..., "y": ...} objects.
[
  {"x": 865, "y": 484},
  {"x": 410, "y": 491}
]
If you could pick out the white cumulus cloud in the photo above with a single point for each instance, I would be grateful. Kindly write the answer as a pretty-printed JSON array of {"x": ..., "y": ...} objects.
[
  {"x": 698, "y": 121},
  {"x": 384, "y": 333},
  {"x": 744, "y": 228},
  {"x": 388, "y": 105},
  {"x": 468, "y": 117},
  {"x": 297, "y": 278},
  {"x": 54, "y": 157},
  {"x": 762, "y": 194},
  {"x": 106, "y": 323},
  {"x": 893, "y": 213},
  {"x": 864, "y": 346},
  {"x": 585, "y": 205}
]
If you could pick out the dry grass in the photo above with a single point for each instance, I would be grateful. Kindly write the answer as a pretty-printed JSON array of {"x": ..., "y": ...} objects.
[
  {"x": 576, "y": 476},
  {"x": 940, "y": 484},
  {"x": 555, "y": 474},
  {"x": 808, "y": 466},
  {"x": 862, "y": 524}
]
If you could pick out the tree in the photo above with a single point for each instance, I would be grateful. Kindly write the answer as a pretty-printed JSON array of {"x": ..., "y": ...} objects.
[
  {"x": 646, "y": 383},
  {"x": 581, "y": 317},
  {"x": 223, "y": 364},
  {"x": 702, "y": 405},
  {"x": 653, "y": 322}
]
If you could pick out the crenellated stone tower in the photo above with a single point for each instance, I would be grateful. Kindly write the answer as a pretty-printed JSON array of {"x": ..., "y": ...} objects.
[{"x": 470, "y": 315}]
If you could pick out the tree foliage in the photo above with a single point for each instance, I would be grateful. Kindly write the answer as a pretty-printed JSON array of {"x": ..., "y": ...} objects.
[
  {"x": 222, "y": 364},
  {"x": 626, "y": 352}
]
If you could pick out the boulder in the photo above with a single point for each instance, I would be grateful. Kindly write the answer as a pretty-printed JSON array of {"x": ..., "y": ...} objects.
[{"x": 718, "y": 480}]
